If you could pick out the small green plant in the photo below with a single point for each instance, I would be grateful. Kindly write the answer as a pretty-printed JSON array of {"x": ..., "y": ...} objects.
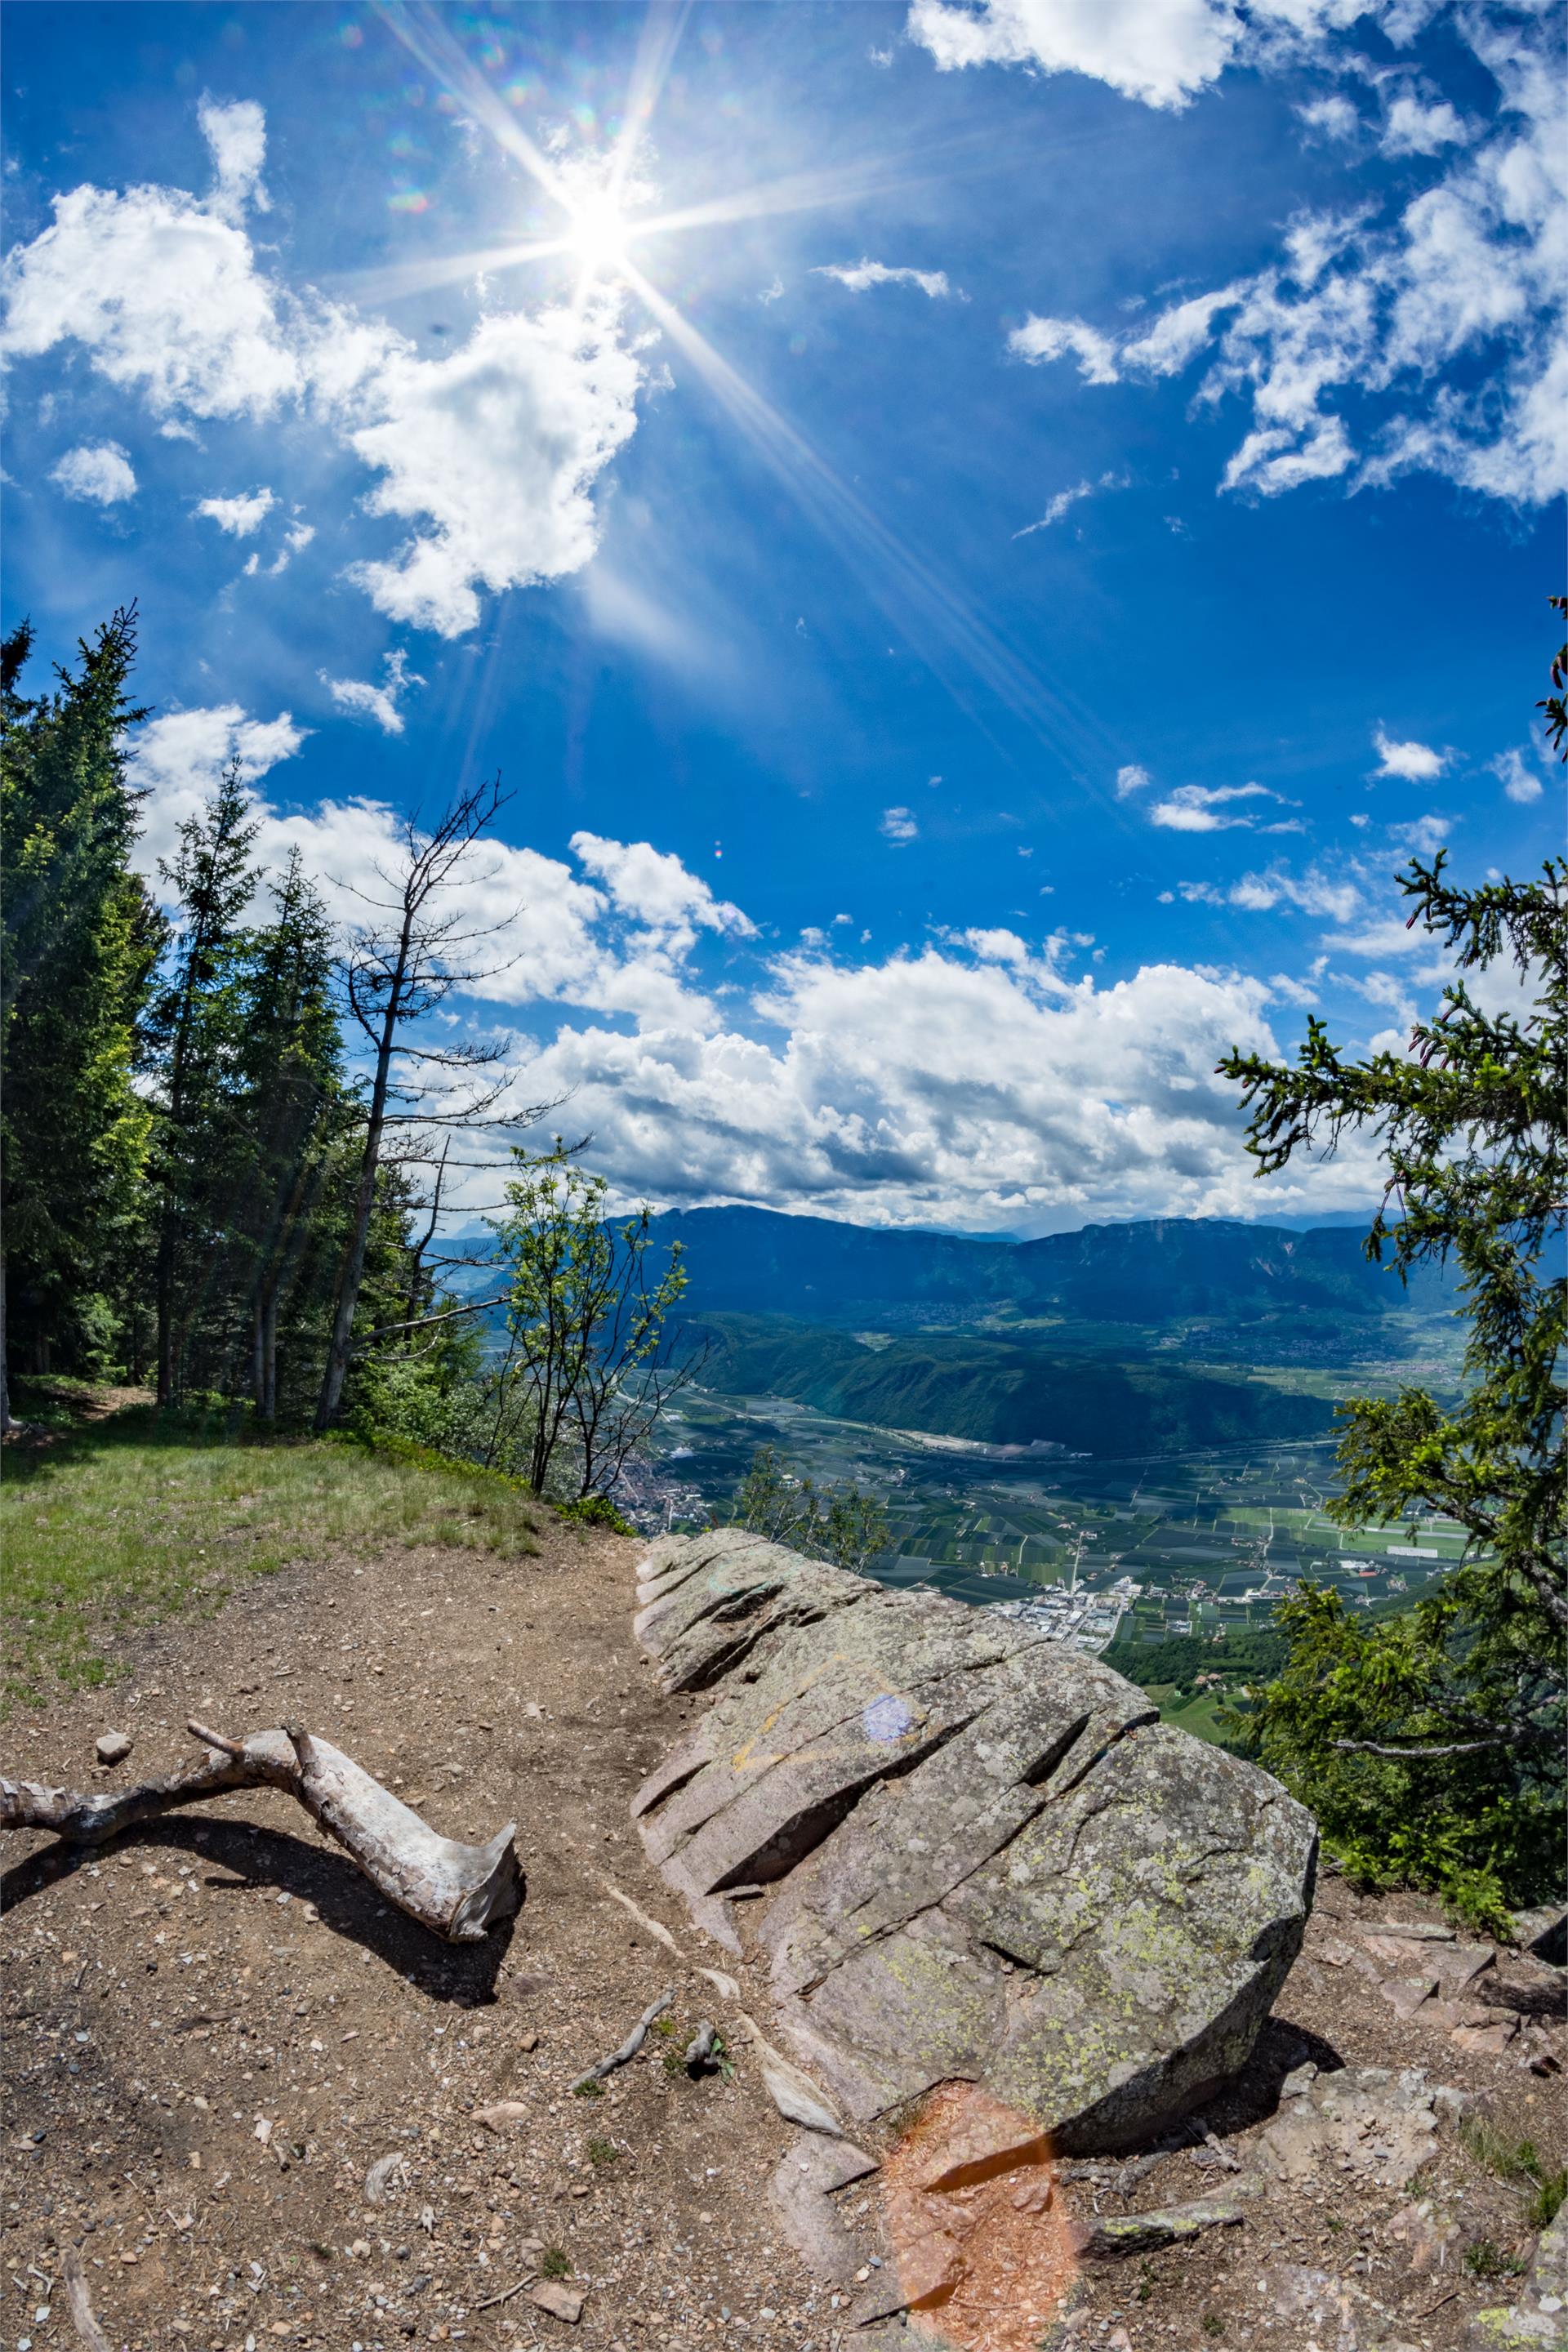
[
  {"x": 553, "y": 2264},
  {"x": 1334, "y": 2222},
  {"x": 674, "y": 2065},
  {"x": 603, "y": 2151},
  {"x": 1212, "y": 2323},
  {"x": 590, "y": 2087},
  {"x": 1145, "y": 2287},
  {"x": 666, "y": 2026},
  {"x": 1544, "y": 2203},
  {"x": 1484, "y": 2261},
  {"x": 595, "y": 1511}
]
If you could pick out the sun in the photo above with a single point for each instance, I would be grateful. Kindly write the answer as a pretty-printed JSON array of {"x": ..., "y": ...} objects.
[{"x": 599, "y": 234}]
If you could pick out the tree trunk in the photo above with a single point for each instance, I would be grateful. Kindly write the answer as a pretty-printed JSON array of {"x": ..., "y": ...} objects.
[
  {"x": 353, "y": 1272},
  {"x": 270, "y": 1356},
  {"x": 5, "y": 1372}
]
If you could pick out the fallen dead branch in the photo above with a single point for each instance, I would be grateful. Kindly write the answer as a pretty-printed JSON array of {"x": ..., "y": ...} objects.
[
  {"x": 81, "y": 2311},
  {"x": 457, "y": 1890},
  {"x": 491, "y": 2301},
  {"x": 651, "y": 1927},
  {"x": 633, "y": 2043},
  {"x": 1112, "y": 2237}
]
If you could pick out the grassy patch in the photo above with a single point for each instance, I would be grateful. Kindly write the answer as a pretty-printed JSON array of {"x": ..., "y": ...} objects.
[
  {"x": 121, "y": 1521},
  {"x": 1200, "y": 1716},
  {"x": 1519, "y": 2161}
]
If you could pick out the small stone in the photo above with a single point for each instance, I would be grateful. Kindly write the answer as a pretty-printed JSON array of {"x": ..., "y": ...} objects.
[
  {"x": 529, "y": 2042},
  {"x": 112, "y": 1747},
  {"x": 561, "y": 2302}
]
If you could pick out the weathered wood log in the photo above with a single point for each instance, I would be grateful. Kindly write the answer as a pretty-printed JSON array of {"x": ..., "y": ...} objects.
[
  {"x": 83, "y": 2318},
  {"x": 457, "y": 1890}
]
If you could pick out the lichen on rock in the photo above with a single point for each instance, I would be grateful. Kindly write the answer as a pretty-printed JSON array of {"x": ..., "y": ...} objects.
[{"x": 989, "y": 1861}]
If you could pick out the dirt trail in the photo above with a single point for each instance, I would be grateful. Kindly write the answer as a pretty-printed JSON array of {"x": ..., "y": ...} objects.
[{"x": 215, "y": 2027}]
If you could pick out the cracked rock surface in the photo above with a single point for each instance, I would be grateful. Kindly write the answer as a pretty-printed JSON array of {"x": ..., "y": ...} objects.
[{"x": 979, "y": 1854}]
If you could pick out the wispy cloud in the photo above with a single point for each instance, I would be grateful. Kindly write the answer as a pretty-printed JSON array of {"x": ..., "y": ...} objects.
[
  {"x": 1197, "y": 808},
  {"x": 859, "y": 276},
  {"x": 1519, "y": 781},
  {"x": 898, "y": 824},
  {"x": 1065, "y": 500},
  {"x": 1442, "y": 316},
  {"x": 377, "y": 702},
  {"x": 1133, "y": 778}
]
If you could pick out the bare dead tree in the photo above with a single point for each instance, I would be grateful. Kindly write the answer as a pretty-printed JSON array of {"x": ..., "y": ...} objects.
[{"x": 401, "y": 965}]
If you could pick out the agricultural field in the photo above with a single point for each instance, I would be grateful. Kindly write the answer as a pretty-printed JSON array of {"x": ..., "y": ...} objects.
[{"x": 1144, "y": 1548}]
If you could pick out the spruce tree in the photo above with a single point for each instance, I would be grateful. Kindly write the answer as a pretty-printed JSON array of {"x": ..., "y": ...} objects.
[
  {"x": 79, "y": 942},
  {"x": 1431, "y": 1745},
  {"x": 195, "y": 1028},
  {"x": 291, "y": 1113}
]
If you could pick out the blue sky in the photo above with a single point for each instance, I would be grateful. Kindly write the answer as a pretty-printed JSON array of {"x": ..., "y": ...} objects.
[{"x": 979, "y": 535}]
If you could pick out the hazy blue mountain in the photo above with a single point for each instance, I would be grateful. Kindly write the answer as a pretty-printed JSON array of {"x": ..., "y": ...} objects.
[{"x": 755, "y": 1261}]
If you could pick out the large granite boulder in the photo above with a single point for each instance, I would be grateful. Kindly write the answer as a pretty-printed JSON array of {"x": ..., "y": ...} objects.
[{"x": 981, "y": 1856}]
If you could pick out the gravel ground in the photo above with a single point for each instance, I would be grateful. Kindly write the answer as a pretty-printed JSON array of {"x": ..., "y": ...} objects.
[{"x": 216, "y": 2028}]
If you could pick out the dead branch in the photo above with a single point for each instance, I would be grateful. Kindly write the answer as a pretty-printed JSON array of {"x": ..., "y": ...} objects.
[
  {"x": 1424, "y": 1748},
  {"x": 81, "y": 2311},
  {"x": 633, "y": 2043},
  {"x": 457, "y": 1890},
  {"x": 660, "y": 1935},
  {"x": 490, "y": 2301}
]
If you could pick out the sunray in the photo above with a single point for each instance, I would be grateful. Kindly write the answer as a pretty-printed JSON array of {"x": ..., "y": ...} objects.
[
  {"x": 392, "y": 282},
  {"x": 660, "y": 38},
  {"x": 923, "y": 606},
  {"x": 416, "y": 24}
]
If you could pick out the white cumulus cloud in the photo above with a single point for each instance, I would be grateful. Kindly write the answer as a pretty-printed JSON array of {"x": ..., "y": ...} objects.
[
  {"x": 1412, "y": 763},
  {"x": 1053, "y": 339},
  {"x": 240, "y": 515},
  {"x": 163, "y": 295},
  {"x": 489, "y": 452},
  {"x": 1161, "y": 51},
  {"x": 1414, "y": 128},
  {"x": 237, "y": 137},
  {"x": 494, "y": 452},
  {"x": 98, "y": 471},
  {"x": 1133, "y": 778},
  {"x": 898, "y": 824}
]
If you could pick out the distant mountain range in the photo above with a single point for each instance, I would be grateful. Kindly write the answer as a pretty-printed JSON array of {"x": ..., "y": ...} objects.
[{"x": 756, "y": 1261}]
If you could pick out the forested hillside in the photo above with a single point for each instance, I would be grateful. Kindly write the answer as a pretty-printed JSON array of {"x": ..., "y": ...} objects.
[
  {"x": 1001, "y": 1392},
  {"x": 755, "y": 1261}
]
